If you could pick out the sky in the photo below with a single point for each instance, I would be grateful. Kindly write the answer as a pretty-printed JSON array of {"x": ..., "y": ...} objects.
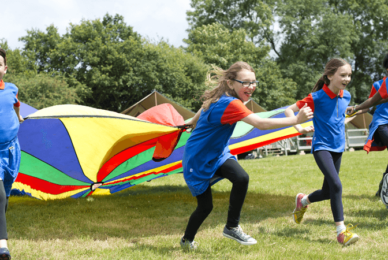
[{"x": 152, "y": 19}]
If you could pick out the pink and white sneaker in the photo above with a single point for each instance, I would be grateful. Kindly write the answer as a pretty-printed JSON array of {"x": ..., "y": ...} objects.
[{"x": 299, "y": 209}]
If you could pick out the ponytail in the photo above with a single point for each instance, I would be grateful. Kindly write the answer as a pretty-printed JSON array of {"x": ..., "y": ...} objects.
[{"x": 321, "y": 81}]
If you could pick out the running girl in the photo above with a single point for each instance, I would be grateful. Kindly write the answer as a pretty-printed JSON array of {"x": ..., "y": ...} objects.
[
  {"x": 378, "y": 129},
  {"x": 329, "y": 101},
  {"x": 207, "y": 156}
]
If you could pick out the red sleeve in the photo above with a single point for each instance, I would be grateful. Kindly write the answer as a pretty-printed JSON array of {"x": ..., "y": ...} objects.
[
  {"x": 234, "y": 112},
  {"x": 17, "y": 104},
  {"x": 307, "y": 100},
  {"x": 383, "y": 89},
  {"x": 372, "y": 92}
]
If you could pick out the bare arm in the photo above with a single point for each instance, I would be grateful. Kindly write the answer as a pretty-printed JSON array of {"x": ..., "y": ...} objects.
[
  {"x": 290, "y": 112},
  {"x": 17, "y": 110},
  {"x": 194, "y": 120},
  {"x": 272, "y": 123},
  {"x": 364, "y": 107}
]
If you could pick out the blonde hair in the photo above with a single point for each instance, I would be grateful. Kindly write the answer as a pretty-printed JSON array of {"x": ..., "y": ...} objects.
[
  {"x": 217, "y": 78},
  {"x": 330, "y": 69}
]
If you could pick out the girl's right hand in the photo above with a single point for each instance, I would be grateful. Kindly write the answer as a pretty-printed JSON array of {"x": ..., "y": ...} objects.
[
  {"x": 305, "y": 113},
  {"x": 307, "y": 130}
]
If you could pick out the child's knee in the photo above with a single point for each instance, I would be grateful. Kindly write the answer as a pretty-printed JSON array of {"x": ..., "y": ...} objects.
[{"x": 206, "y": 209}]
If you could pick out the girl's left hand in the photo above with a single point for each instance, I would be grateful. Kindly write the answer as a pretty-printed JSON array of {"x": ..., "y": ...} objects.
[{"x": 21, "y": 120}]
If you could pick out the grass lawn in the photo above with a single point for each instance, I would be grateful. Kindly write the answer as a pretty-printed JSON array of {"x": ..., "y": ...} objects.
[{"x": 147, "y": 221}]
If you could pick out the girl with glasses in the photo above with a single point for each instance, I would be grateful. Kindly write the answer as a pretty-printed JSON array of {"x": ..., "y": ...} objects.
[{"x": 207, "y": 157}]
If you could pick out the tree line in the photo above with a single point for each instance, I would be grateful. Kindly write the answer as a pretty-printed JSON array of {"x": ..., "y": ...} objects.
[{"x": 104, "y": 63}]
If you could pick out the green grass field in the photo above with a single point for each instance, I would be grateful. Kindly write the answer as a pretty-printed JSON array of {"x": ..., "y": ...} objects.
[{"x": 147, "y": 221}]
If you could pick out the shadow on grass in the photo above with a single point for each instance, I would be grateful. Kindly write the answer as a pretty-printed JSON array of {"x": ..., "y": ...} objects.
[
  {"x": 298, "y": 234},
  {"x": 370, "y": 197},
  {"x": 137, "y": 213}
]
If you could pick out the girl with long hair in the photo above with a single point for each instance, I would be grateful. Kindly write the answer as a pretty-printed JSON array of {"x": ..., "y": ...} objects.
[{"x": 207, "y": 156}]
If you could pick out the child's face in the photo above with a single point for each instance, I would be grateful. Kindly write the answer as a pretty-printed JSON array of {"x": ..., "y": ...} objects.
[
  {"x": 3, "y": 68},
  {"x": 341, "y": 78},
  {"x": 243, "y": 93}
]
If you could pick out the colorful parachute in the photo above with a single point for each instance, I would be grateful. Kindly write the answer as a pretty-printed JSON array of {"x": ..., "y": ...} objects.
[
  {"x": 26, "y": 110},
  {"x": 75, "y": 151},
  {"x": 69, "y": 151}
]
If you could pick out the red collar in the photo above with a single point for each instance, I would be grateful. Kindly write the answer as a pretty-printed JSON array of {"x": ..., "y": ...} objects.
[
  {"x": 2, "y": 85},
  {"x": 330, "y": 93}
]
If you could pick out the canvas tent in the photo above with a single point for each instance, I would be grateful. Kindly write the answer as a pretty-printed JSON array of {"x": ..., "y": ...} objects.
[
  {"x": 362, "y": 121},
  {"x": 254, "y": 107},
  {"x": 154, "y": 99}
]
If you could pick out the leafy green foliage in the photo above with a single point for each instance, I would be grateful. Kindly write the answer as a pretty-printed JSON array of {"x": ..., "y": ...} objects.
[
  {"x": 112, "y": 61},
  {"x": 43, "y": 90},
  {"x": 215, "y": 44},
  {"x": 255, "y": 16},
  {"x": 370, "y": 19},
  {"x": 312, "y": 34},
  {"x": 16, "y": 61}
]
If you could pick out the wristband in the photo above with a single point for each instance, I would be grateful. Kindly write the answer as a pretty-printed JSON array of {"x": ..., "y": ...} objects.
[{"x": 355, "y": 108}]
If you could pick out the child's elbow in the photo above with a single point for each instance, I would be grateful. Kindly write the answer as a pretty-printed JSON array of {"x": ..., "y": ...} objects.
[{"x": 262, "y": 126}]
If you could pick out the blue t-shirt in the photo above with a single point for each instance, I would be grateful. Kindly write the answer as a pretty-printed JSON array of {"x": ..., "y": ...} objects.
[
  {"x": 329, "y": 118},
  {"x": 380, "y": 117},
  {"x": 9, "y": 122},
  {"x": 208, "y": 146}
]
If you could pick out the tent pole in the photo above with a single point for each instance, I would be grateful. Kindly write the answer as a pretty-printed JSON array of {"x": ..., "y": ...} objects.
[{"x": 363, "y": 117}]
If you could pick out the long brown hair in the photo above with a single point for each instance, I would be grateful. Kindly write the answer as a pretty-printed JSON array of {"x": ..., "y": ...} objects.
[
  {"x": 330, "y": 69},
  {"x": 217, "y": 78}
]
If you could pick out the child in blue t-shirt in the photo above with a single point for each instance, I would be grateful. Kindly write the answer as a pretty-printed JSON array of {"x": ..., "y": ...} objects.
[
  {"x": 207, "y": 157},
  {"x": 378, "y": 128},
  {"x": 9, "y": 147},
  {"x": 329, "y": 101}
]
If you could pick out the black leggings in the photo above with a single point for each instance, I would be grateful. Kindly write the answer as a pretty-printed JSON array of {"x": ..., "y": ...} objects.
[
  {"x": 3, "y": 209},
  {"x": 329, "y": 163},
  {"x": 232, "y": 171},
  {"x": 381, "y": 136}
]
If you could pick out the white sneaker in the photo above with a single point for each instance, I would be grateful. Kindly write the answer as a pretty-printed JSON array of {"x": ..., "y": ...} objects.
[
  {"x": 188, "y": 245},
  {"x": 238, "y": 234}
]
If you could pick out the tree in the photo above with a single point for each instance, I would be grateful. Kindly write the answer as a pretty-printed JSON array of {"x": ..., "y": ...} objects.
[
  {"x": 16, "y": 61},
  {"x": 216, "y": 45},
  {"x": 43, "y": 90},
  {"x": 114, "y": 62},
  {"x": 255, "y": 16},
  {"x": 312, "y": 34},
  {"x": 370, "y": 19}
]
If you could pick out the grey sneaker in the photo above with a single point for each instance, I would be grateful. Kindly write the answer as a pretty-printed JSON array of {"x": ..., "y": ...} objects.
[
  {"x": 188, "y": 245},
  {"x": 238, "y": 234}
]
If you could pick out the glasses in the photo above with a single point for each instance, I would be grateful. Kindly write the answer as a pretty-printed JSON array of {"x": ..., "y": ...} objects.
[{"x": 247, "y": 84}]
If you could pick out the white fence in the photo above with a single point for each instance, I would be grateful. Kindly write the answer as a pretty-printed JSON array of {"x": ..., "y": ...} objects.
[{"x": 355, "y": 138}]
